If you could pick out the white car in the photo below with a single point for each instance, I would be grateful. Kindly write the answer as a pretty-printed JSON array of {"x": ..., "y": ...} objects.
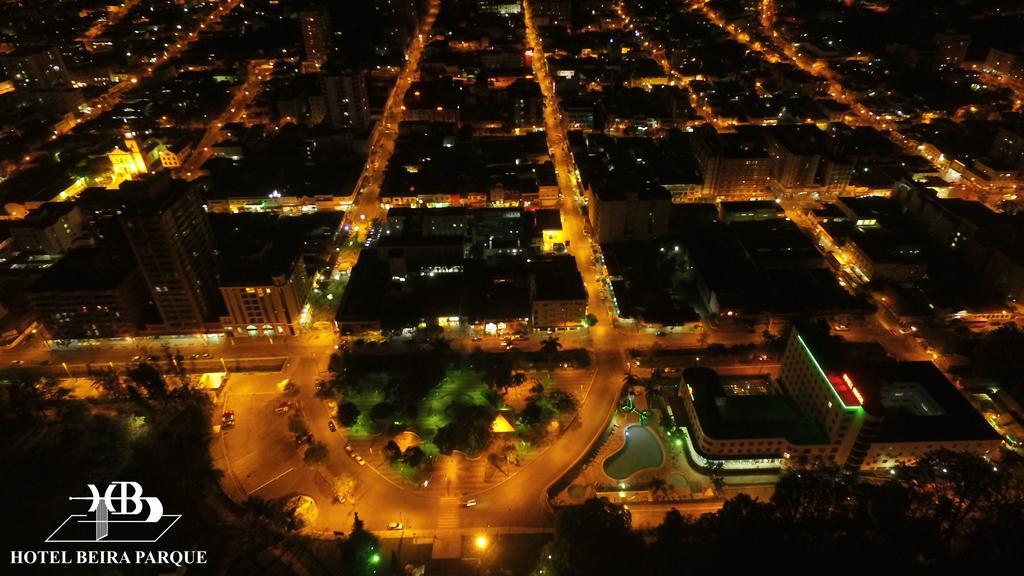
[{"x": 395, "y": 526}]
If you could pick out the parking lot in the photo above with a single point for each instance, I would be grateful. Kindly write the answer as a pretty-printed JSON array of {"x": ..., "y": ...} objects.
[{"x": 259, "y": 445}]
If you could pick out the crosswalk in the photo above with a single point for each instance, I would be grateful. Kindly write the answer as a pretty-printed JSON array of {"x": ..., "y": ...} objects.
[{"x": 448, "y": 512}]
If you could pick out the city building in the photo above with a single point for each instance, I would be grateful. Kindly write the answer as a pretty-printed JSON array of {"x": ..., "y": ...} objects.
[
  {"x": 492, "y": 269},
  {"x": 733, "y": 165},
  {"x": 620, "y": 214},
  {"x": 315, "y": 21},
  {"x": 54, "y": 228},
  {"x": 263, "y": 280},
  {"x": 831, "y": 404},
  {"x": 167, "y": 230},
  {"x": 557, "y": 295},
  {"x": 129, "y": 162},
  {"x": 802, "y": 164},
  {"x": 89, "y": 293},
  {"x": 951, "y": 49},
  {"x": 40, "y": 78},
  {"x": 988, "y": 243},
  {"x": 344, "y": 89},
  {"x": 36, "y": 69}
]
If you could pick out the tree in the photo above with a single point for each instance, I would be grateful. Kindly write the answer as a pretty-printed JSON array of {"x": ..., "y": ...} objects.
[
  {"x": 659, "y": 486},
  {"x": 562, "y": 401},
  {"x": 391, "y": 451},
  {"x": 517, "y": 380},
  {"x": 594, "y": 539},
  {"x": 665, "y": 552},
  {"x": 360, "y": 552},
  {"x": 271, "y": 512},
  {"x": 149, "y": 379},
  {"x": 383, "y": 413},
  {"x": 630, "y": 380},
  {"x": 315, "y": 454},
  {"x": 590, "y": 320},
  {"x": 439, "y": 344},
  {"x": 715, "y": 474},
  {"x": 468, "y": 431},
  {"x": 497, "y": 372},
  {"x": 549, "y": 347},
  {"x": 348, "y": 414},
  {"x": 325, "y": 390},
  {"x": 297, "y": 424},
  {"x": 414, "y": 456},
  {"x": 110, "y": 384}
]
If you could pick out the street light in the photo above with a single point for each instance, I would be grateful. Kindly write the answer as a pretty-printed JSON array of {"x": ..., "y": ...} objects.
[{"x": 481, "y": 542}]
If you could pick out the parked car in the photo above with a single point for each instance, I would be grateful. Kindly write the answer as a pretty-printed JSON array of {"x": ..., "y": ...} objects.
[
  {"x": 469, "y": 503},
  {"x": 395, "y": 526},
  {"x": 330, "y": 424}
]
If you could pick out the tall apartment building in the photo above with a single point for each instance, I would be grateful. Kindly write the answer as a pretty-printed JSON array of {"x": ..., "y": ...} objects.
[
  {"x": 879, "y": 414},
  {"x": 40, "y": 77},
  {"x": 51, "y": 229},
  {"x": 830, "y": 398},
  {"x": 168, "y": 232},
  {"x": 802, "y": 162},
  {"x": 344, "y": 89},
  {"x": 266, "y": 304},
  {"x": 620, "y": 214},
  {"x": 315, "y": 21},
  {"x": 733, "y": 165},
  {"x": 951, "y": 49},
  {"x": 1005, "y": 63},
  {"x": 89, "y": 294},
  {"x": 553, "y": 12},
  {"x": 36, "y": 69},
  {"x": 263, "y": 278}
]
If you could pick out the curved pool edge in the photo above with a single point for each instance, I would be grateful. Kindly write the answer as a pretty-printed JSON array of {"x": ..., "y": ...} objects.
[{"x": 624, "y": 449}]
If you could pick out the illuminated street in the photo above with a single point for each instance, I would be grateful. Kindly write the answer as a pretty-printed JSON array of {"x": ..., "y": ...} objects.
[{"x": 511, "y": 287}]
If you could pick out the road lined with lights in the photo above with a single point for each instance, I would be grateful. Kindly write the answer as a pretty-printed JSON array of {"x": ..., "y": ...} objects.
[
  {"x": 258, "y": 72},
  {"x": 366, "y": 202},
  {"x": 382, "y": 140},
  {"x": 112, "y": 97}
]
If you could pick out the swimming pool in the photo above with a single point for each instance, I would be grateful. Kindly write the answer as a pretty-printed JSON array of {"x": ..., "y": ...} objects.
[{"x": 641, "y": 451}]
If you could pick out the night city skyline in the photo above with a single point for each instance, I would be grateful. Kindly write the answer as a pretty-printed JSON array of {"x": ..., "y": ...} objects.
[{"x": 511, "y": 287}]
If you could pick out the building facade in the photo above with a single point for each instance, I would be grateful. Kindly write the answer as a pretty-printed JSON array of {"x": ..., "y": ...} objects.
[
  {"x": 316, "y": 35},
  {"x": 270, "y": 308},
  {"x": 345, "y": 100},
  {"x": 88, "y": 295},
  {"x": 174, "y": 246}
]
